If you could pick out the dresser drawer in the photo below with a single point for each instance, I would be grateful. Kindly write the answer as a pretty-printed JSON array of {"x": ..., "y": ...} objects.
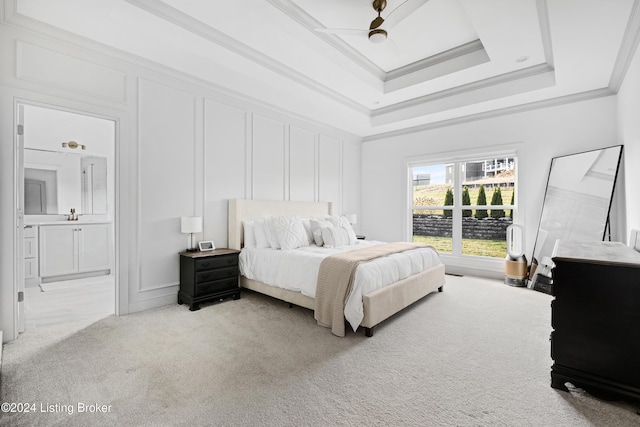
[
  {"x": 221, "y": 273},
  {"x": 217, "y": 262},
  {"x": 216, "y": 286}
]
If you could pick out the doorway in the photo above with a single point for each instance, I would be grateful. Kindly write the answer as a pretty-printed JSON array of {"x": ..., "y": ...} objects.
[{"x": 66, "y": 200}]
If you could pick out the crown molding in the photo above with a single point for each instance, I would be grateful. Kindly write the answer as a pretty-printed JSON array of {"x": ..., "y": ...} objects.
[
  {"x": 521, "y": 108},
  {"x": 310, "y": 23},
  {"x": 448, "y": 55},
  {"x": 451, "y": 61},
  {"x": 521, "y": 75},
  {"x": 628, "y": 47},
  {"x": 195, "y": 26},
  {"x": 70, "y": 43},
  {"x": 545, "y": 30}
]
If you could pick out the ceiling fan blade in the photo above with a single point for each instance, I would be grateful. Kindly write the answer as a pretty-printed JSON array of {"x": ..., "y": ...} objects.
[
  {"x": 376, "y": 23},
  {"x": 403, "y": 11},
  {"x": 342, "y": 31}
]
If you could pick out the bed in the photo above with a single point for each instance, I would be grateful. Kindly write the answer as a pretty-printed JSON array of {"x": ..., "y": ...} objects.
[{"x": 377, "y": 305}]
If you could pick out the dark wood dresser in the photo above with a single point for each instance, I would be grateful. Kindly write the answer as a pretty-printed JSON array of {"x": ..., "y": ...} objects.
[
  {"x": 595, "y": 316},
  {"x": 208, "y": 275}
]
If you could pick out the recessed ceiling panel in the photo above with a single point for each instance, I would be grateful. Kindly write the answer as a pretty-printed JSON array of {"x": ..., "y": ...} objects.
[{"x": 430, "y": 29}]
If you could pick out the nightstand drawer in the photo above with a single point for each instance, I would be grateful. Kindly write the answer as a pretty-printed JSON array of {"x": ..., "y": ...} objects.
[
  {"x": 216, "y": 262},
  {"x": 221, "y": 273},
  {"x": 217, "y": 286}
]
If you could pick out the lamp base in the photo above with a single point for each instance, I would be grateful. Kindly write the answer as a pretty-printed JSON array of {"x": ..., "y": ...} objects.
[{"x": 192, "y": 250}]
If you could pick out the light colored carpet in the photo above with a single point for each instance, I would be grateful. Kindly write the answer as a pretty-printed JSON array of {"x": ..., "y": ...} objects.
[{"x": 474, "y": 355}]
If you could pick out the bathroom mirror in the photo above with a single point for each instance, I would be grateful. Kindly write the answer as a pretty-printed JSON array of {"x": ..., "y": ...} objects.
[
  {"x": 56, "y": 182},
  {"x": 576, "y": 203}
]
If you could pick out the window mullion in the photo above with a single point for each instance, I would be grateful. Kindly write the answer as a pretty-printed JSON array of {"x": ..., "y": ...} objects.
[{"x": 457, "y": 210}]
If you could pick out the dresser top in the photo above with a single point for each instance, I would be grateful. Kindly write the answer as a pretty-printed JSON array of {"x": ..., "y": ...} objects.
[{"x": 597, "y": 252}]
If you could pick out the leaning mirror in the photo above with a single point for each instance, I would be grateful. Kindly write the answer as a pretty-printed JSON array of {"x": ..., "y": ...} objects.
[{"x": 576, "y": 206}]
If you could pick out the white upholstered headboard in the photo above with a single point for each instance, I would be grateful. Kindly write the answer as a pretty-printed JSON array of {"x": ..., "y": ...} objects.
[{"x": 252, "y": 210}]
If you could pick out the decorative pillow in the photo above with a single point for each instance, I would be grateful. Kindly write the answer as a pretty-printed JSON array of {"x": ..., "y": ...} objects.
[
  {"x": 288, "y": 231},
  {"x": 316, "y": 226},
  {"x": 342, "y": 221},
  {"x": 336, "y": 236},
  {"x": 308, "y": 238},
  {"x": 271, "y": 235},
  {"x": 261, "y": 236},
  {"x": 249, "y": 234}
]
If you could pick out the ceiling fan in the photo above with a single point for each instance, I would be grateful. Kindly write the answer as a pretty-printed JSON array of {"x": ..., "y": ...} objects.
[{"x": 376, "y": 33}]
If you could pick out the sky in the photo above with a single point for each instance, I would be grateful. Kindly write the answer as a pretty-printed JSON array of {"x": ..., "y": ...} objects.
[{"x": 437, "y": 172}]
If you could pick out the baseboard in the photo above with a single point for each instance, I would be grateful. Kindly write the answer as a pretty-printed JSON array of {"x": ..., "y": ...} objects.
[
  {"x": 75, "y": 276},
  {"x": 156, "y": 302}
]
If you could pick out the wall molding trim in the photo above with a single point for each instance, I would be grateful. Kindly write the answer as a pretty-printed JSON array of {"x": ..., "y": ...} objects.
[
  {"x": 67, "y": 43},
  {"x": 553, "y": 102},
  {"x": 629, "y": 45},
  {"x": 522, "y": 74},
  {"x": 25, "y": 51},
  {"x": 195, "y": 26}
]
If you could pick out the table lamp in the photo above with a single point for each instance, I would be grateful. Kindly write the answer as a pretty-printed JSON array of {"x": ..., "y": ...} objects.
[{"x": 190, "y": 225}]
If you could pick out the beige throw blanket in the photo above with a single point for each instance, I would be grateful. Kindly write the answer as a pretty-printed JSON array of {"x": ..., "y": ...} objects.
[{"x": 335, "y": 279}]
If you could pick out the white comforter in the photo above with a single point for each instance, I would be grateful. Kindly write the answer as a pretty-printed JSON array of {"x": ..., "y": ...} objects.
[{"x": 297, "y": 270}]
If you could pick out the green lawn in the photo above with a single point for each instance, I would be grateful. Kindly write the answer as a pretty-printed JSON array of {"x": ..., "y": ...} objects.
[{"x": 490, "y": 248}]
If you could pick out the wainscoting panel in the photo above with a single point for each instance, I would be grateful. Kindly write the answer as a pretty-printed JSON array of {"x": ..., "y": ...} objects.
[
  {"x": 351, "y": 173},
  {"x": 268, "y": 159},
  {"x": 302, "y": 165},
  {"x": 224, "y": 166},
  {"x": 166, "y": 178},
  {"x": 329, "y": 168},
  {"x": 40, "y": 65}
]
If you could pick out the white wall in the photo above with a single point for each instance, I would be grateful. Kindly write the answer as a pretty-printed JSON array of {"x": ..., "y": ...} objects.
[
  {"x": 629, "y": 135},
  {"x": 183, "y": 148},
  {"x": 536, "y": 136}
]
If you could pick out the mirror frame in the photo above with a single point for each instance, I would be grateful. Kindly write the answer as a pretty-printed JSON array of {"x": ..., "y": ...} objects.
[{"x": 534, "y": 261}]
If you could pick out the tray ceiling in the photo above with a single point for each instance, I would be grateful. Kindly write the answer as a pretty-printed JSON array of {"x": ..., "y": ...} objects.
[{"x": 446, "y": 60}]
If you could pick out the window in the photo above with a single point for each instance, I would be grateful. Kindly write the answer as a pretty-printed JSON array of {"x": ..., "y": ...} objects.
[{"x": 464, "y": 207}]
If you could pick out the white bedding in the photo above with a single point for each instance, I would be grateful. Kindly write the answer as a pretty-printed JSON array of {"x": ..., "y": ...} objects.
[{"x": 297, "y": 270}]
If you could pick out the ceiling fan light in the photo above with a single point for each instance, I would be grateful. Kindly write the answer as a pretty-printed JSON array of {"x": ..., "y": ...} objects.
[{"x": 377, "y": 36}]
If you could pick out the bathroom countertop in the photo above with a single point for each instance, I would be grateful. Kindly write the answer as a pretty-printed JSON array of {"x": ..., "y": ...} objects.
[{"x": 66, "y": 222}]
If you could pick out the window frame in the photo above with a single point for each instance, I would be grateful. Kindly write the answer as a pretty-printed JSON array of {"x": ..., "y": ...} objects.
[{"x": 456, "y": 258}]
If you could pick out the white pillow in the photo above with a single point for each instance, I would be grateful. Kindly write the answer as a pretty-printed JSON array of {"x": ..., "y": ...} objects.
[
  {"x": 249, "y": 234},
  {"x": 271, "y": 235},
  {"x": 316, "y": 226},
  {"x": 342, "y": 221},
  {"x": 288, "y": 231},
  {"x": 308, "y": 238},
  {"x": 261, "y": 235},
  {"x": 336, "y": 236}
]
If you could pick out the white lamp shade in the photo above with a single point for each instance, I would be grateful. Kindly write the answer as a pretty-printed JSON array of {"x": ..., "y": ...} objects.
[
  {"x": 191, "y": 224},
  {"x": 352, "y": 218}
]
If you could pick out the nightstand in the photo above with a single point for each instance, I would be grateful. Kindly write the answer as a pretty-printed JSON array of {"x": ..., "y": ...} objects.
[{"x": 208, "y": 275}]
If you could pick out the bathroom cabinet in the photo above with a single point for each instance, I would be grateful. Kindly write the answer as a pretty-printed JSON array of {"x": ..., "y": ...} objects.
[{"x": 74, "y": 248}]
